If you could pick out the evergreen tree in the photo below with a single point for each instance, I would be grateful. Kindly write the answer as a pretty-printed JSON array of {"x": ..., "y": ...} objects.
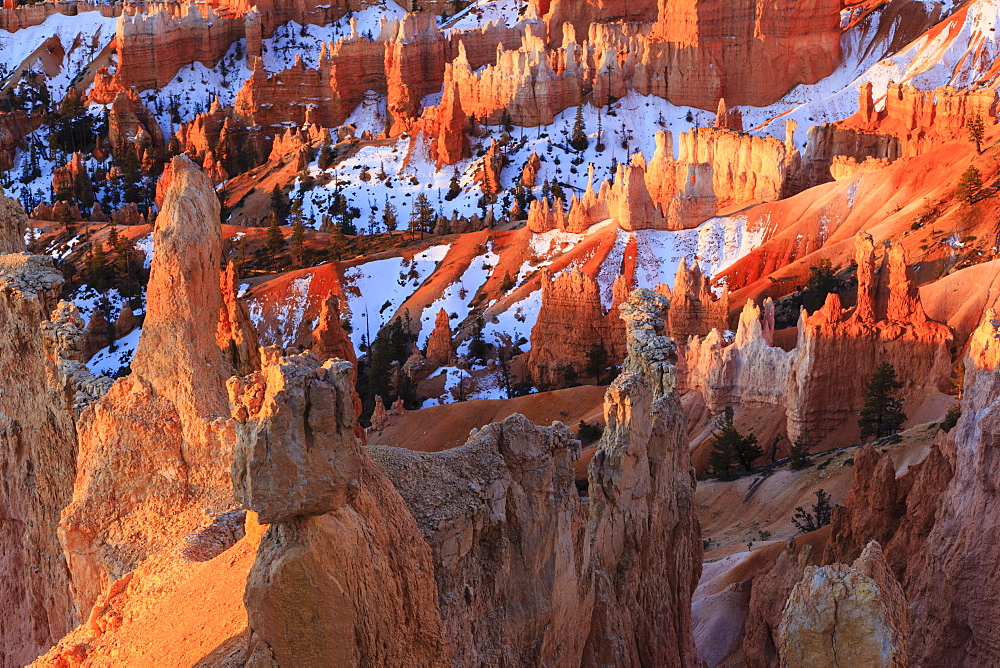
[
  {"x": 821, "y": 282},
  {"x": 822, "y": 512},
  {"x": 130, "y": 171},
  {"x": 883, "y": 410},
  {"x": 97, "y": 268},
  {"x": 298, "y": 240},
  {"x": 275, "y": 241},
  {"x": 336, "y": 248},
  {"x": 578, "y": 140},
  {"x": 66, "y": 218},
  {"x": 974, "y": 124},
  {"x": 730, "y": 447},
  {"x": 454, "y": 186},
  {"x": 389, "y": 217},
  {"x": 280, "y": 205},
  {"x": 597, "y": 359},
  {"x": 969, "y": 185},
  {"x": 800, "y": 451},
  {"x": 421, "y": 216}
]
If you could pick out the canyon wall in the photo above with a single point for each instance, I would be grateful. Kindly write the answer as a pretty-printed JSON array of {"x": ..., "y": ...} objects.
[{"x": 952, "y": 603}]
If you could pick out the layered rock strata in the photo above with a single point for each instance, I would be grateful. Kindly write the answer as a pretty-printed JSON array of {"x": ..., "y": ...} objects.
[{"x": 571, "y": 323}]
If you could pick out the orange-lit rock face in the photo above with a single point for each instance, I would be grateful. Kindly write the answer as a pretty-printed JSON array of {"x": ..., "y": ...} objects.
[
  {"x": 440, "y": 349},
  {"x": 154, "y": 451},
  {"x": 235, "y": 334},
  {"x": 834, "y": 347},
  {"x": 570, "y": 324},
  {"x": 72, "y": 178},
  {"x": 344, "y": 573}
]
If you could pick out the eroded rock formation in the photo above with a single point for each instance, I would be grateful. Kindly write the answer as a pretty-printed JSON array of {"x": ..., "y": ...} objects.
[
  {"x": 154, "y": 450},
  {"x": 37, "y": 460},
  {"x": 236, "y": 335},
  {"x": 570, "y": 324},
  {"x": 342, "y": 575},
  {"x": 643, "y": 583},
  {"x": 846, "y": 615},
  {"x": 821, "y": 383},
  {"x": 952, "y": 603},
  {"x": 506, "y": 528}
]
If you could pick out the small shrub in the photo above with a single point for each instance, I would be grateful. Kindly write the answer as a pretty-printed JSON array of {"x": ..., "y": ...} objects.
[{"x": 819, "y": 517}]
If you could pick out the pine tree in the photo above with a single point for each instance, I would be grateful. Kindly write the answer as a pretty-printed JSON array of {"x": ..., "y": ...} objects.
[
  {"x": 97, "y": 267},
  {"x": 298, "y": 241},
  {"x": 822, "y": 513},
  {"x": 974, "y": 124},
  {"x": 578, "y": 140},
  {"x": 421, "y": 216},
  {"x": 389, "y": 217},
  {"x": 275, "y": 240},
  {"x": 800, "y": 451},
  {"x": 454, "y": 186},
  {"x": 597, "y": 359},
  {"x": 336, "y": 247},
  {"x": 280, "y": 205},
  {"x": 730, "y": 447},
  {"x": 883, "y": 410},
  {"x": 969, "y": 185}
]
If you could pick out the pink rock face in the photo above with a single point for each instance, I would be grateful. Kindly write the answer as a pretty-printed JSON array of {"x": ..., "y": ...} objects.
[
  {"x": 694, "y": 308},
  {"x": 952, "y": 600}
]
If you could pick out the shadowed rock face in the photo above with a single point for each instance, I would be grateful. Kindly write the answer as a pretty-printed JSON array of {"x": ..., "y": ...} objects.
[
  {"x": 846, "y": 616},
  {"x": 13, "y": 224},
  {"x": 953, "y": 600},
  {"x": 525, "y": 574},
  {"x": 506, "y": 526},
  {"x": 154, "y": 451},
  {"x": 37, "y": 457},
  {"x": 342, "y": 575}
]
